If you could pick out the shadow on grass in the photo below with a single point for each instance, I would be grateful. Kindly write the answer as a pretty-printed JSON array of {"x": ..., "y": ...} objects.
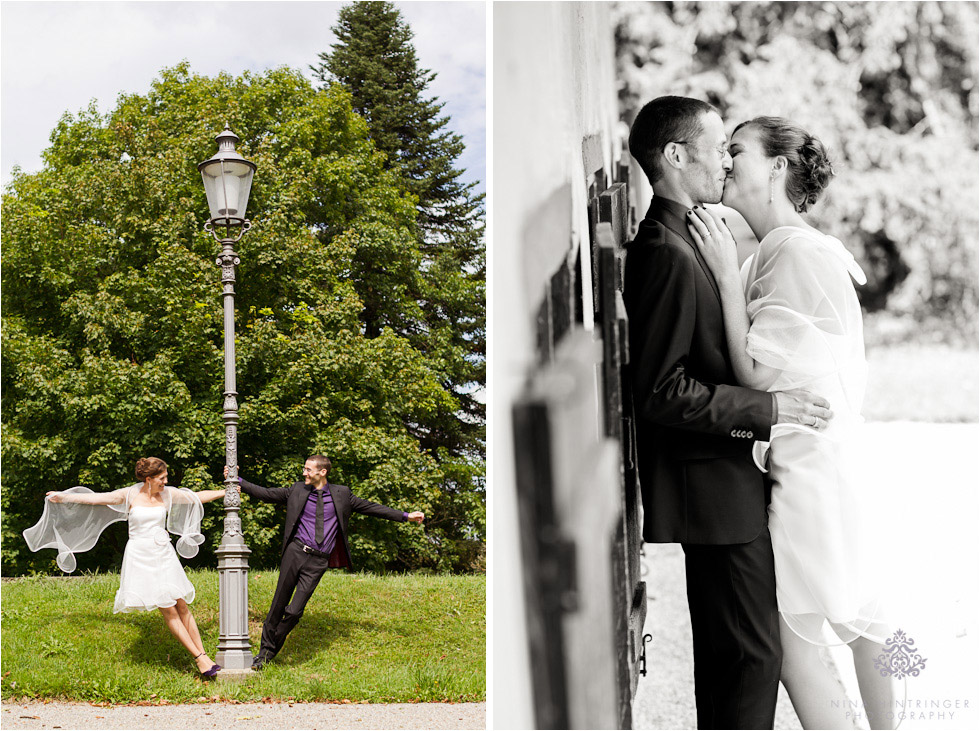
[
  {"x": 315, "y": 634},
  {"x": 156, "y": 647},
  {"x": 153, "y": 646}
]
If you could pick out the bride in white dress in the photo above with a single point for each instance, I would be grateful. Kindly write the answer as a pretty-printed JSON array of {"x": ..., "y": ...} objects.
[
  {"x": 794, "y": 322},
  {"x": 151, "y": 577}
]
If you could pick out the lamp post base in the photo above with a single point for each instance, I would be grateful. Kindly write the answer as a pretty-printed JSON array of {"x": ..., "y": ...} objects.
[
  {"x": 233, "y": 675},
  {"x": 234, "y": 649}
]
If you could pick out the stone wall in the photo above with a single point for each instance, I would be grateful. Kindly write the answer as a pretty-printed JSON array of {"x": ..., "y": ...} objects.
[{"x": 555, "y": 124}]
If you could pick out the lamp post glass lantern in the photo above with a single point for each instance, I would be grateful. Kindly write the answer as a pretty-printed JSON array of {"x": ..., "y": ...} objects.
[{"x": 227, "y": 183}]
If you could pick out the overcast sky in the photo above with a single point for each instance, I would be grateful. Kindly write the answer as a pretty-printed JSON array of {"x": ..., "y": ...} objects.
[{"x": 58, "y": 56}]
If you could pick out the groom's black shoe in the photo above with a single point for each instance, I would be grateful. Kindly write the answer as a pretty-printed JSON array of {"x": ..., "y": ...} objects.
[{"x": 260, "y": 661}]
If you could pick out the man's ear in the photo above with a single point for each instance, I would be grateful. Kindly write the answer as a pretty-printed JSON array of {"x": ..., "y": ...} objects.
[{"x": 674, "y": 155}]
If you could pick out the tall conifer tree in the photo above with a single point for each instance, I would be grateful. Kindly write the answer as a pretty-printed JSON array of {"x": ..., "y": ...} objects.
[{"x": 375, "y": 60}]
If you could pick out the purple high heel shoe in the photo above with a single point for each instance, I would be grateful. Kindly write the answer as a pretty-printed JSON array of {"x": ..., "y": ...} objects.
[{"x": 209, "y": 673}]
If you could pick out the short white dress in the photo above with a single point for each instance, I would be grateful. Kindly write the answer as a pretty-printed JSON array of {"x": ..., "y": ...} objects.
[
  {"x": 806, "y": 323},
  {"x": 152, "y": 576}
]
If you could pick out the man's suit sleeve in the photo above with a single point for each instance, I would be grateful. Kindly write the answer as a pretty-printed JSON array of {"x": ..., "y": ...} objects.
[
  {"x": 266, "y": 494},
  {"x": 663, "y": 328},
  {"x": 366, "y": 507}
]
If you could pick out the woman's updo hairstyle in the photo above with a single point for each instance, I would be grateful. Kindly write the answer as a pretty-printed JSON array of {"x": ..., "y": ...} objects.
[
  {"x": 149, "y": 467},
  {"x": 809, "y": 170}
]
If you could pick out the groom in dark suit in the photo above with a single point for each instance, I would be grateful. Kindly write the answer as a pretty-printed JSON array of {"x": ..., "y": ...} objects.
[
  {"x": 315, "y": 539},
  {"x": 696, "y": 426}
]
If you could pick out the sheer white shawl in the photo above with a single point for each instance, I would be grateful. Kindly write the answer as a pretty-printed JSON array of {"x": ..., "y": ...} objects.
[
  {"x": 72, "y": 528},
  {"x": 805, "y": 316}
]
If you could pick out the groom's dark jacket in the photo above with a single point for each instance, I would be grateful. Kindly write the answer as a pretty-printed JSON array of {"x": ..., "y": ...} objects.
[
  {"x": 695, "y": 427},
  {"x": 344, "y": 502}
]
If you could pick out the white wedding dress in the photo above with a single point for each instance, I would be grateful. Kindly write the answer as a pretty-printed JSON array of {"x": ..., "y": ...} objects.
[
  {"x": 151, "y": 572},
  {"x": 806, "y": 323},
  {"x": 152, "y": 576}
]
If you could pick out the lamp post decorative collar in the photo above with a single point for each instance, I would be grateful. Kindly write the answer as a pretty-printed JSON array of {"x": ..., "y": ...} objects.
[{"x": 227, "y": 182}]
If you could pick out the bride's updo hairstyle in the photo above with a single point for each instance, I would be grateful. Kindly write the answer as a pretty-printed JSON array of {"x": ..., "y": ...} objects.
[
  {"x": 809, "y": 170},
  {"x": 149, "y": 467}
]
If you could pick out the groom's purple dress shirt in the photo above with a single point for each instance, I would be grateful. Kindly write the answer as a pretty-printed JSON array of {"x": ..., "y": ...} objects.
[{"x": 306, "y": 528}]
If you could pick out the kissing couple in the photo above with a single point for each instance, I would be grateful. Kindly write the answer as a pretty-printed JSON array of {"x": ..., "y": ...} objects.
[{"x": 747, "y": 385}]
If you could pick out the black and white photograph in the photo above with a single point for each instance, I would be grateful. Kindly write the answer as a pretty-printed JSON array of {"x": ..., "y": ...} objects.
[{"x": 734, "y": 365}]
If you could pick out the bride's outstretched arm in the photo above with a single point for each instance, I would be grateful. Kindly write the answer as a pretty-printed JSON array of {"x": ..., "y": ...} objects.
[
  {"x": 718, "y": 248},
  {"x": 116, "y": 497},
  {"x": 207, "y": 496}
]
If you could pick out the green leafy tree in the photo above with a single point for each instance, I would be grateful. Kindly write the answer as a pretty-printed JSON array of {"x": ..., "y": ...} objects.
[
  {"x": 890, "y": 86},
  {"x": 375, "y": 60},
  {"x": 112, "y": 332}
]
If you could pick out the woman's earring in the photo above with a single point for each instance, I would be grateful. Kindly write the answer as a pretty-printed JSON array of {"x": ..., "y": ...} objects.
[{"x": 772, "y": 185}]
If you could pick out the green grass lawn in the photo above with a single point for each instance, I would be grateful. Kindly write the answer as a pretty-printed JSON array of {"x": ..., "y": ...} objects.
[{"x": 398, "y": 638}]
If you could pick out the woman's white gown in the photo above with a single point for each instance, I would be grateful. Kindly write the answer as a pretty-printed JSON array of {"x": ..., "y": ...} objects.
[
  {"x": 152, "y": 576},
  {"x": 806, "y": 323},
  {"x": 151, "y": 572}
]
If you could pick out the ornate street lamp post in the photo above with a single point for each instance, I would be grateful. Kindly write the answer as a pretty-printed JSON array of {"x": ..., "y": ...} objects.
[{"x": 227, "y": 182}]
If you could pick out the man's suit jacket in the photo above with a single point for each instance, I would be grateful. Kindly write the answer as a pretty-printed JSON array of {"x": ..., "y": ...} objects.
[
  {"x": 344, "y": 502},
  {"x": 694, "y": 426}
]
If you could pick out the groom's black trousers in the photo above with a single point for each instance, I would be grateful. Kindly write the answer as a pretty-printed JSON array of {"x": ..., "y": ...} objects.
[
  {"x": 731, "y": 592},
  {"x": 299, "y": 574}
]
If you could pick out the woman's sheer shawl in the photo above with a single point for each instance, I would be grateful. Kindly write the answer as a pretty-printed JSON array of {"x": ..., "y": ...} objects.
[
  {"x": 72, "y": 528},
  {"x": 805, "y": 318},
  {"x": 184, "y": 514}
]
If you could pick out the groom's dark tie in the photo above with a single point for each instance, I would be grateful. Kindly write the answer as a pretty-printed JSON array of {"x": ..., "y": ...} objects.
[{"x": 319, "y": 517}]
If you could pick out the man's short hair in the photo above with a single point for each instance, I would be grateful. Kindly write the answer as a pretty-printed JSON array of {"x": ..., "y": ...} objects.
[
  {"x": 321, "y": 462},
  {"x": 666, "y": 119}
]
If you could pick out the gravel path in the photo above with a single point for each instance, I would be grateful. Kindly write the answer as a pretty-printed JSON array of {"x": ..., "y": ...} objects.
[
  {"x": 665, "y": 697},
  {"x": 246, "y": 716}
]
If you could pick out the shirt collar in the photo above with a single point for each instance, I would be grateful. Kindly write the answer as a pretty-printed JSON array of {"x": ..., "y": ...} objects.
[{"x": 674, "y": 214}]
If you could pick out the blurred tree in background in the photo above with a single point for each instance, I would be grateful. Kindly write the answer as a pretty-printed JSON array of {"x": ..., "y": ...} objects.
[
  {"x": 374, "y": 59},
  {"x": 891, "y": 87},
  {"x": 112, "y": 331}
]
